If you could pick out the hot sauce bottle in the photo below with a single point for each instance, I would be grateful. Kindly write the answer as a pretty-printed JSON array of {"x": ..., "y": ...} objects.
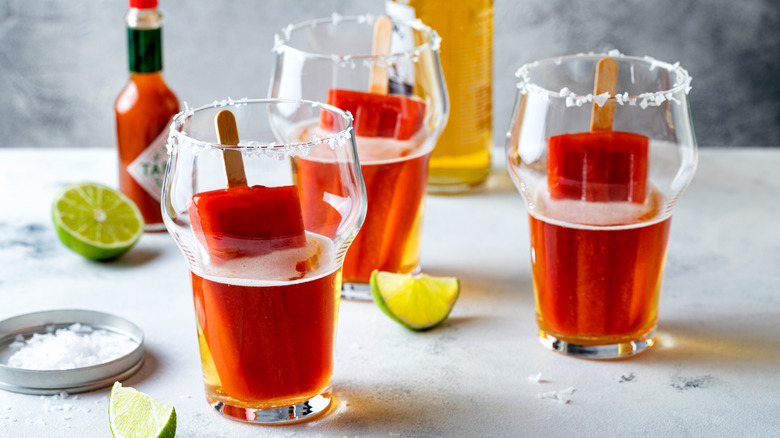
[{"x": 143, "y": 112}]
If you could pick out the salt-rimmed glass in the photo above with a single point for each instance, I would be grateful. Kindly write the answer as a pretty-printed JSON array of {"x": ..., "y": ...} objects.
[
  {"x": 315, "y": 57},
  {"x": 265, "y": 257},
  {"x": 600, "y": 216}
]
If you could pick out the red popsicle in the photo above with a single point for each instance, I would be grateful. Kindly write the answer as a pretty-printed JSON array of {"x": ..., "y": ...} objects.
[
  {"x": 601, "y": 165},
  {"x": 376, "y": 113},
  {"x": 247, "y": 221},
  {"x": 241, "y": 220},
  {"x": 598, "y": 166}
]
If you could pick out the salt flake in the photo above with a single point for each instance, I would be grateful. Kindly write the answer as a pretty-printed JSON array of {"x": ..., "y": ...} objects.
[
  {"x": 535, "y": 378},
  {"x": 601, "y": 99},
  {"x": 563, "y": 396}
]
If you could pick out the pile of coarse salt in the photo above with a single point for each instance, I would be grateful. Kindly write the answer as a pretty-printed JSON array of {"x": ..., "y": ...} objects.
[{"x": 76, "y": 346}]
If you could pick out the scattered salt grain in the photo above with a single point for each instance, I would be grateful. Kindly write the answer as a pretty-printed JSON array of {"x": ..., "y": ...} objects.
[
  {"x": 563, "y": 396},
  {"x": 49, "y": 404},
  {"x": 67, "y": 348},
  {"x": 535, "y": 378}
]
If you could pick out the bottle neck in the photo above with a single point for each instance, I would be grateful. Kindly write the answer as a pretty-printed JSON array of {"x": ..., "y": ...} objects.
[{"x": 144, "y": 37}]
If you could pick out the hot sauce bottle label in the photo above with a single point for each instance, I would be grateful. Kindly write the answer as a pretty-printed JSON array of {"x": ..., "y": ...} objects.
[
  {"x": 148, "y": 169},
  {"x": 145, "y": 50}
]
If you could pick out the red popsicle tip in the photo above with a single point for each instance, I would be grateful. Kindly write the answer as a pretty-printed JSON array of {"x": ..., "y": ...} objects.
[{"x": 377, "y": 115}]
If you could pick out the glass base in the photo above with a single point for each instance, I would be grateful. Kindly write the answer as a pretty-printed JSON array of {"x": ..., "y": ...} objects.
[
  {"x": 356, "y": 291},
  {"x": 362, "y": 291},
  {"x": 154, "y": 228},
  {"x": 284, "y": 415},
  {"x": 620, "y": 350},
  {"x": 456, "y": 188},
  {"x": 457, "y": 180}
]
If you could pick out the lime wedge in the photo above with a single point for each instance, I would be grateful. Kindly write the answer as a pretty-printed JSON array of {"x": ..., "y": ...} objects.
[
  {"x": 96, "y": 221},
  {"x": 133, "y": 414},
  {"x": 418, "y": 302}
]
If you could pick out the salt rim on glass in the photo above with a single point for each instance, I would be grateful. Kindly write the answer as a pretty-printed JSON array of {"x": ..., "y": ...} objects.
[
  {"x": 643, "y": 100},
  {"x": 82, "y": 374},
  {"x": 254, "y": 148},
  {"x": 282, "y": 40}
]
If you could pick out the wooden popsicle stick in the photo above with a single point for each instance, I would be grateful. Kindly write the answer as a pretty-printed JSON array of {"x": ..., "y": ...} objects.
[
  {"x": 227, "y": 134},
  {"x": 379, "y": 76},
  {"x": 606, "y": 82}
]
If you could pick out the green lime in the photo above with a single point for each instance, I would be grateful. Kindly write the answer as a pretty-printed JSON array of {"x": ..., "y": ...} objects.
[
  {"x": 96, "y": 221},
  {"x": 133, "y": 414},
  {"x": 418, "y": 302}
]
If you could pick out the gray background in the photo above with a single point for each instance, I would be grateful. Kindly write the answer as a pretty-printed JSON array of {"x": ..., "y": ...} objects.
[{"x": 62, "y": 63}]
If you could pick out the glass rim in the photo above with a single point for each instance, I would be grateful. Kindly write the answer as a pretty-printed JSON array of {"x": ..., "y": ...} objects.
[
  {"x": 682, "y": 81},
  {"x": 282, "y": 38},
  {"x": 179, "y": 120}
]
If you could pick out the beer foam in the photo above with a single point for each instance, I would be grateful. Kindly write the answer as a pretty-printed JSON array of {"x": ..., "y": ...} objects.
[
  {"x": 375, "y": 150},
  {"x": 282, "y": 266},
  {"x": 371, "y": 150},
  {"x": 600, "y": 214}
]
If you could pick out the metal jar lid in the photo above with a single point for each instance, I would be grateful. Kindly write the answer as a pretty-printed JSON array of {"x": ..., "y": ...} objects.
[{"x": 46, "y": 382}]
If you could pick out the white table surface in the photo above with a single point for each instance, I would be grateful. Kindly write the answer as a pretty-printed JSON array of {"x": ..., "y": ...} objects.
[{"x": 715, "y": 372}]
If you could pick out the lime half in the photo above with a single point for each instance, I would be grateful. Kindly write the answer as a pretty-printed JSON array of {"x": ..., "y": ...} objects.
[
  {"x": 418, "y": 302},
  {"x": 133, "y": 414},
  {"x": 96, "y": 221}
]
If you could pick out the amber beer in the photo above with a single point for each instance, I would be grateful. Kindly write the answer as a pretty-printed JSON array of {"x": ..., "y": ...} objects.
[
  {"x": 390, "y": 237},
  {"x": 598, "y": 284},
  {"x": 266, "y": 344}
]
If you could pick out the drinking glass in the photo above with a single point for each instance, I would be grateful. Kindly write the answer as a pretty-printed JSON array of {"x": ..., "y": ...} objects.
[
  {"x": 600, "y": 200},
  {"x": 265, "y": 265},
  {"x": 331, "y": 60}
]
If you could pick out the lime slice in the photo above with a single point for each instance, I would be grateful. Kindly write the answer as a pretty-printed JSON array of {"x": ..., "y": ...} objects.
[
  {"x": 418, "y": 302},
  {"x": 96, "y": 221},
  {"x": 133, "y": 414}
]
